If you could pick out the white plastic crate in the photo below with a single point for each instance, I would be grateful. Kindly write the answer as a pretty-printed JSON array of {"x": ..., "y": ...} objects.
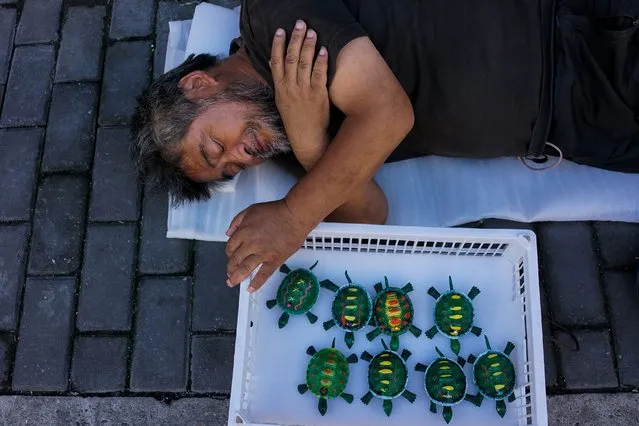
[{"x": 270, "y": 363}]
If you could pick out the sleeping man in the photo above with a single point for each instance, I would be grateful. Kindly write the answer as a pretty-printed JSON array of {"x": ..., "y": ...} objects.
[{"x": 346, "y": 85}]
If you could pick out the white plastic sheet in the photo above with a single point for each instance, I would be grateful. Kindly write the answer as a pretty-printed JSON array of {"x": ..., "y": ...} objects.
[{"x": 429, "y": 191}]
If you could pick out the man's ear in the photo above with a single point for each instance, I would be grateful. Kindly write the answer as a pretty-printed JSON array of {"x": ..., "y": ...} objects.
[{"x": 198, "y": 84}]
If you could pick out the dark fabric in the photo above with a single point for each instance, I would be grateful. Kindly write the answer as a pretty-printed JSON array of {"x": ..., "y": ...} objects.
[
  {"x": 472, "y": 69},
  {"x": 596, "y": 98}
]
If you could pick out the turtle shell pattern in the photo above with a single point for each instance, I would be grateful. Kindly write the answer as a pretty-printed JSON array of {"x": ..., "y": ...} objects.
[
  {"x": 393, "y": 311},
  {"x": 327, "y": 373},
  {"x": 387, "y": 375},
  {"x": 494, "y": 375},
  {"x": 454, "y": 314},
  {"x": 298, "y": 292},
  {"x": 445, "y": 382},
  {"x": 351, "y": 308}
]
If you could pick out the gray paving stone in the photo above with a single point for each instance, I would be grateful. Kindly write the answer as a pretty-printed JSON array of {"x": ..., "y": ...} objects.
[
  {"x": 29, "y": 86},
  {"x": 160, "y": 353},
  {"x": 58, "y": 225},
  {"x": 110, "y": 411},
  {"x": 619, "y": 243},
  {"x": 99, "y": 364},
  {"x": 168, "y": 10},
  {"x": 70, "y": 132},
  {"x": 8, "y": 1},
  {"x": 214, "y": 303},
  {"x": 81, "y": 45},
  {"x": 592, "y": 366},
  {"x": 41, "y": 358},
  {"x": 158, "y": 254},
  {"x": 624, "y": 310},
  {"x": 39, "y": 21},
  {"x": 571, "y": 273},
  {"x": 7, "y": 30},
  {"x": 126, "y": 76},
  {"x": 594, "y": 409},
  {"x": 212, "y": 363},
  {"x": 107, "y": 278},
  {"x": 13, "y": 250},
  {"x": 6, "y": 355},
  {"x": 1, "y": 95},
  {"x": 131, "y": 18},
  {"x": 116, "y": 190},
  {"x": 19, "y": 153}
]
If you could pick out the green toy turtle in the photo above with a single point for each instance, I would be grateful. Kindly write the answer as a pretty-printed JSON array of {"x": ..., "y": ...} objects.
[
  {"x": 445, "y": 384},
  {"x": 352, "y": 308},
  {"x": 327, "y": 375},
  {"x": 494, "y": 375},
  {"x": 387, "y": 377},
  {"x": 393, "y": 313},
  {"x": 296, "y": 294},
  {"x": 453, "y": 314}
]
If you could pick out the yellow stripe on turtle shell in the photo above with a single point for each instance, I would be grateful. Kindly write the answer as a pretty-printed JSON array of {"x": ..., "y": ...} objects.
[
  {"x": 455, "y": 328},
  {"x": 351, "y": 297},
  {"x": 386, "y": 363},
  {"x": 385, "y": 371},
  {"x": 499, "y": 387},
  {"x": 491, "y": 356},
  {"x": 449, "y": 388},
  {"x": 386, "y": 382},
  {"x": 443, "y": 361},
  {"x": 497, "y": 373},
  {"x": 385, "y": 355},
  {"x": 456, "y": 296},
  {"x": 349, "y": 318},
  {"x": 456, "y": 317},
  {"x": 444, "y": 376},
  {"x": 494, "y": 364},
  {"x": 352, "y": 289},
  {"x": 444, "y": 367},
  {"x": 455, "y": 308}
]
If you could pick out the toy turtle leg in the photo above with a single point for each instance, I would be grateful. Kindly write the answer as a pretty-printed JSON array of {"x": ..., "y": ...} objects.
[
  {"x": 448, "y": 414},
  {"x": 285, "y": 269},
  {"x": 328, "y": 324},
  {"x": 388, "y": 407},
  {"x": 461, "y": 361},
  {"x": 347, "y": 397},
  {"x": 283, "y": 320},
  {"x": 512, "y": 397},
  {"x": 471, "y": 359},
  {"x": 406, "y": 354},
  {"x": 367, "y": 398},
  {"x": 431, "y": 332},
  {"x": 509, "y": 348},
  {"x": 420, "y": 367},
  {"x": 455, "y": 346},
  {"x": 433, "y": 407},
  {"x": 322, "y": 406},
  {"x": 373, "y": 334},
  {"x": 352, "y": 359},
  {"x": 302, "y": 388},
  {"x": 473, "y": 293},
  {"x": 409, "y": 396},
  {"x": 366, "y": 356},
  {"x": 329, "y": 285},
  {"x": 349, "y": 339},
  {"x": 476, "y": 331},
  {"x": 501, "y": 408},
  {"x": 372, "y": 321},
  {"x": 311, "y": 351},
  {"x": 312, "y": 318},
  {"x": 408, "y": 288},
  {"x": 415, "y": 331},
  {"x": 434, "y": 293},
  {"x": 271, "y": 303},
  {"x": 476, "y": 400},
  {"x": 394, "y": 343},
  {"x": 378, "y": 287}
]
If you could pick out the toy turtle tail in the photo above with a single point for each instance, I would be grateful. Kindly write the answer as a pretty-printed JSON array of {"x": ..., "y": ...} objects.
[
  {"x": 312, "y": 318},
  {"x": 349, "y": 339},
  {"x": 476, "y": 400},
  {"x": 283, "y": 320},
  {"x": 347, "y": 397},
  {"x": 388, "y": 407},
  {"x": 501, "y": 408},
  {"x": 322, "y": 406},
  {"x": 448, "y": 414},
  {"x": 367, "y": 398}
]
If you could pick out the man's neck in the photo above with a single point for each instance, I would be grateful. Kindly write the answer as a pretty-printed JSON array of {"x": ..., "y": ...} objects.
[{"x": 239, "y": 66}]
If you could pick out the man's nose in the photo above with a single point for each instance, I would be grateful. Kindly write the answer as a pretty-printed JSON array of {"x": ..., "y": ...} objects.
[{"x": 242, "y": 153}]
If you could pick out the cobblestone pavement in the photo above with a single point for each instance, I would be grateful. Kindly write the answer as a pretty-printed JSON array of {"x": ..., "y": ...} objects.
[{"x": 95, "y": 301}]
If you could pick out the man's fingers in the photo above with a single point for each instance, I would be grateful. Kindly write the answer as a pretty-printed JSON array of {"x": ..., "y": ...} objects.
[
  {"x": 293, "y": 51},
  {"x": 306, "y": 58},
  {"x": 244, "y": 270},
  {"x": 262, "y": 275},
  {"x": 235, "y": 223},
  {"x": 237, "y": 258},
  {"x": 320, "y": 70},
  {"x": 277, "y": 55}
]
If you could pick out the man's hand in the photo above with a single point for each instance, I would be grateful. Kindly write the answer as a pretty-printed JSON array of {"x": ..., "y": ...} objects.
[
  {"x": 301, "y": 94},
  {"x": 266, "y": 234}
]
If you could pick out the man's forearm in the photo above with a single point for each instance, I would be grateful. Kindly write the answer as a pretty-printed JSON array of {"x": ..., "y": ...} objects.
[{"x": 367, "y": 204}]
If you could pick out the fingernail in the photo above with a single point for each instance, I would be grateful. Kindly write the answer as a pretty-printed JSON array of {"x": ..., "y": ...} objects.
[
  {"x": 228, "y": 283},
  {"x": 310, "y": 34},
  {"x": 279, "y": 32},
  {"x": 251, "y": 289},
  {"x": 299, "y": 25},
  {"x": 322, "y": 51}
]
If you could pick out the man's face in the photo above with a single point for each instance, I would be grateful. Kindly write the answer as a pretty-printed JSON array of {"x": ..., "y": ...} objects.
[{"x": 239, "y": 127}]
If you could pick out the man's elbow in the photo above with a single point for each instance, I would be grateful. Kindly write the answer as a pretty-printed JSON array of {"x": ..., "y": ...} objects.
[{"x": 404, "y": 115}]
